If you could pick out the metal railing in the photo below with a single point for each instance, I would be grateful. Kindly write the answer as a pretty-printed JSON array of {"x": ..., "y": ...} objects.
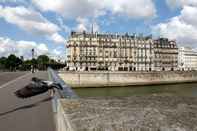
[{"x": 67, "y": 92}]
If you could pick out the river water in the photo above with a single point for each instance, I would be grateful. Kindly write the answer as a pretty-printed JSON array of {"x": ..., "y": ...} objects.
[{"x": 186, "y": 89}]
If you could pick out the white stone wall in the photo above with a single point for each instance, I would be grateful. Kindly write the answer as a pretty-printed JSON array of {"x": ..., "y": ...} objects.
[
  {"x": 187, "y": 59},
  {"x": 62, "y": 123},
  {"x": 100, "y": 79}
]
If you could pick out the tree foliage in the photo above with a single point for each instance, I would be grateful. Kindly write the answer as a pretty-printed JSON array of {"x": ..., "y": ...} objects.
[
  {"x": 13, "y": 63},
  {"x": 43, "y": 59}
]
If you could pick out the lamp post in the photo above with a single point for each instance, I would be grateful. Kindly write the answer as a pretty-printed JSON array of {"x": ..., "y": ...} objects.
[{"x": 32, "y": 66}]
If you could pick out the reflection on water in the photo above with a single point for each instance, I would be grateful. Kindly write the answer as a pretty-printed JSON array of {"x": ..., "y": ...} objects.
[{"x": 188, "y": 89}]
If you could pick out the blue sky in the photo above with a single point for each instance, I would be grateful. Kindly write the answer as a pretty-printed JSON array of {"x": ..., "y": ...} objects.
[{"x": 45, "y": 24}]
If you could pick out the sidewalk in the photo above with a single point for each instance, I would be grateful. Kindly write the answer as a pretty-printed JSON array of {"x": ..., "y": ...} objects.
[{"x": 33, "y": 114}]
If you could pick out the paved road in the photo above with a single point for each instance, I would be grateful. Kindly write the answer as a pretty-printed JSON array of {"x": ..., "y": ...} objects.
[
  {"x": 8, "y": 76},
  {"x": 33, "y": 114}
]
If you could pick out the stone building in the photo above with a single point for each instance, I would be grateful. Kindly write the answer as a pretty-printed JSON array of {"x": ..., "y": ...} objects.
[
  {"x": 94, "y": 51},
  {"x": 187, "y": 59},
  {"x": 114, "y": 52},
  {"x": 166, "y": 55}
]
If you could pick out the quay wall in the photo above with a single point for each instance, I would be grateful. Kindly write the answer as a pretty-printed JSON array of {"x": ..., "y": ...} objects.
[
  {"x": 134, "y": 113},
  {"x": 62, "y": 121},
  {"x": 104, "y": 79}
]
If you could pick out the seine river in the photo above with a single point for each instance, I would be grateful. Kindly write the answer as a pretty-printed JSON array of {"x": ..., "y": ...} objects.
[{"x": 188, "y": 89}]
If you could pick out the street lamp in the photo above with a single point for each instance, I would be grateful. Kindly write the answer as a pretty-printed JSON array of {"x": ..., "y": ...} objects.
[{"x": 32, "y": 66}]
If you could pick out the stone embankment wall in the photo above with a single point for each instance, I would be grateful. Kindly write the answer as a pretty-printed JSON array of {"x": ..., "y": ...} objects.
[
  {"x": 100, "y": 79},
  {"x": 136, "y": 113},
  {"x": 62, "y": 121}
]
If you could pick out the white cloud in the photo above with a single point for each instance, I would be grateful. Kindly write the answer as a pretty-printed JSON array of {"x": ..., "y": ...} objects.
[
  {"x": 30, "y": 21},
  {"x": 85, "y": 24},
  {"x": 57, "y": 38},
  {"x": 24, "y": 2},
  {"x": 21, "y": 48},
  {"x": 182, "y": 27},
  {"x": 188, "y": 15},
  {"x": 51, "y": 5},
  {"x": 82, "y": 24},
  {"x": 62, "y": 25},
  {"x": 180, "y": 3},
  {"x": 59, "y": 54},
  {"x": 70, "y": 8},
  {"x": 133, "y": 9},
  {"x": 93, "y": 8}
]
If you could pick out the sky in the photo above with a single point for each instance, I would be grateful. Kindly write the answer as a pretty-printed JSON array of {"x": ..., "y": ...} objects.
[{"x": 45, "y": 25}]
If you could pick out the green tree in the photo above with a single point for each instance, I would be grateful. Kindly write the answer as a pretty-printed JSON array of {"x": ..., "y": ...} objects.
[
  {"x": 3, "y": 61},
  {"x": 13, "y": 62},
  {"x": 43, "y": 61}
]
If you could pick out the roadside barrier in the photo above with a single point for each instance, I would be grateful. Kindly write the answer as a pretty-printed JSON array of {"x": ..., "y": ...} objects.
[
  {"x": 67, "y": 92},
  {"x": 62, "y": 124}
]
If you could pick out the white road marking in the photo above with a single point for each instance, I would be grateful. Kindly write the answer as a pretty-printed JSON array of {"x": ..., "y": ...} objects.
[{"x": 12, "y": 81}]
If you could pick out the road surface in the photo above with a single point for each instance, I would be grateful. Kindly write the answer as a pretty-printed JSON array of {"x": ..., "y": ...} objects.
[
  {"x": 8, "y": 76},
  {"x": 33, "y": 114}
]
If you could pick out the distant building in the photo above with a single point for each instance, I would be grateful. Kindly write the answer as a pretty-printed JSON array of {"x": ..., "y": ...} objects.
[
  {"x": 114, "y": 52},
  {"x": 93, "y": 51},
  {"x": 166, "y": 55},
  {"x": 187, "y": 59}
]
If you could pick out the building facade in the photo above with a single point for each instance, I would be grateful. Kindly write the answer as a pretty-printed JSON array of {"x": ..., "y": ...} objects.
[
  {"x": 93, "y": 51},
  {"x": 166, "y": 55},
  {"x": 187, "y": 59}
]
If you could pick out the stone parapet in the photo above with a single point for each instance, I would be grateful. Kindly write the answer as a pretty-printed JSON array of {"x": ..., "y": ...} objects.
[
  {"x": 100, "y": 79},
  {"x": 136, "y": 113}
]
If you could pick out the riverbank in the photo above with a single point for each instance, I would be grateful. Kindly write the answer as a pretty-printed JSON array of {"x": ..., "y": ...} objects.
[
  {"x": 110, "y": 79},
  {"x": 150, "y": 113}
]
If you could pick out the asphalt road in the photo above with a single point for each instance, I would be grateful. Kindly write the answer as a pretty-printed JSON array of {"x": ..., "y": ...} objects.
[
  {"x": 33, "y": 114},
  {"x": 8, "y": 76}
]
